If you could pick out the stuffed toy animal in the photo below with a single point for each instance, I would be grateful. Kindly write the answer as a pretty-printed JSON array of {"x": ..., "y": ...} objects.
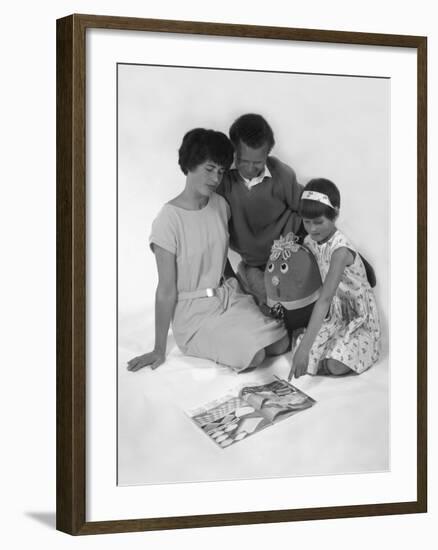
[{"x": 292, "y": 281}]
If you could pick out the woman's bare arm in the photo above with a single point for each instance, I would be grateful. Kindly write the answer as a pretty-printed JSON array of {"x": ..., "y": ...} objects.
[{"x": 165, "y": 300}]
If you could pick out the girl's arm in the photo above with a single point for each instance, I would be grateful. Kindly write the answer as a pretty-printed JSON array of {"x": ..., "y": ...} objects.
[
  {"x": 165, "y": 300},
  {"x": 341, "y": 258}
]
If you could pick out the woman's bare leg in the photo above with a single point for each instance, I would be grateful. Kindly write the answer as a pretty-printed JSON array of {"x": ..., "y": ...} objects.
[
  {"x": 279, "y": 347},
  {"x": 258, "y": 359}
]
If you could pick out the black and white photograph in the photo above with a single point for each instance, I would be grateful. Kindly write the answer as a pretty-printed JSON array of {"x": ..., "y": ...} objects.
[
  {"x": 253, "y": 245},
  {"x": 218, "y": 300}
]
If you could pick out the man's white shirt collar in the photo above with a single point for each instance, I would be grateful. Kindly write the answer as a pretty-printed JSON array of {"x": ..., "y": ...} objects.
[{"x": 254, "y": 181}]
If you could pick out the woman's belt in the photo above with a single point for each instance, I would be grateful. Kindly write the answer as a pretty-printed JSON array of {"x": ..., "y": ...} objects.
[{"x": 202, "y": 293}]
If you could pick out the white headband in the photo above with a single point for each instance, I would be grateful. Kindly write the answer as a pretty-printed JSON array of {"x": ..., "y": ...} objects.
[{"x": 316, "y": 196}]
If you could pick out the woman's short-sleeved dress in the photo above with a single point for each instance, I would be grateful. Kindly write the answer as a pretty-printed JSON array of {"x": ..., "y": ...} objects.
[
  {"x": 351, "y": 331},
  {"x": 227, "y": 328}
]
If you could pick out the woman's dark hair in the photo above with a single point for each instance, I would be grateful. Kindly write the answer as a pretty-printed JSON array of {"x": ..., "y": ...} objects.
[
  {"x": 253, "y": 131},
  {"x": 313, "y": 209},
  {"x": 200, "y": 145}
]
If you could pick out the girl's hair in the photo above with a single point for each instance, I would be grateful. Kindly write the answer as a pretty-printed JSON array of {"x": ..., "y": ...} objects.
[
  {"x": 313, "y": 209},
  {"x": 200, "y": 145},
  {"x": 253, "y": 131}
]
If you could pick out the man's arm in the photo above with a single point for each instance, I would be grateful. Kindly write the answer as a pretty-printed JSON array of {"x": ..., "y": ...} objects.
[{"x": 292, "y": 194}]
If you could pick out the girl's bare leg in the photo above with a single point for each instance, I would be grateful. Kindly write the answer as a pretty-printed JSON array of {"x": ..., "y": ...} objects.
[{"x": 336, "y": 368}]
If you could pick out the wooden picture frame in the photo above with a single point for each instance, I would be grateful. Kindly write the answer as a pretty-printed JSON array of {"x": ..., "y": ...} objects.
[{"x": 71, "y": 273}]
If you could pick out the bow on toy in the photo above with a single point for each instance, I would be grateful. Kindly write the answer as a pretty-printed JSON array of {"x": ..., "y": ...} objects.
[{"x": 284, "y": 246}]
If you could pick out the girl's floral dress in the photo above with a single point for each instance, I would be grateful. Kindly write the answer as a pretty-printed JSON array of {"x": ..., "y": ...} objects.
[{"x": 351, "y": 331}]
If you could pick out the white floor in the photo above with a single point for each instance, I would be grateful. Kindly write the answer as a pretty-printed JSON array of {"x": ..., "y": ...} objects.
[{"x": 347, "y": 430}]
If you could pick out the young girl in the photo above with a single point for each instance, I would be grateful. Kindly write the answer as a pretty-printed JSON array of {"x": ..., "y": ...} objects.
[{"x": 343, "y": 334}]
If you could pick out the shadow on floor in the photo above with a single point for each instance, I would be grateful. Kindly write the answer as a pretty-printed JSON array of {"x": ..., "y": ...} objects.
[{"x": 46, "y": 518}]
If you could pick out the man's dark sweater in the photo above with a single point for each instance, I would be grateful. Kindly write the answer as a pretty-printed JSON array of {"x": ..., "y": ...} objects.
[{"x": 263, "y": 213}]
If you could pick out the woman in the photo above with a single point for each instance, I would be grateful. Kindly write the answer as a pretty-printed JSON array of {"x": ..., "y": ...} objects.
[{"x": 211, "y": 318}]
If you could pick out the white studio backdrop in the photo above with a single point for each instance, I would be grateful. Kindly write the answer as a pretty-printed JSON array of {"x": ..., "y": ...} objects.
[
  {"x": 325, "y": 126},
  {"x": 28, "y": 275}
]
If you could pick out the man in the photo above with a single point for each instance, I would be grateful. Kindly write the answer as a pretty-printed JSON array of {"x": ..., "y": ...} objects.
[{"x": 263, "y": 195}]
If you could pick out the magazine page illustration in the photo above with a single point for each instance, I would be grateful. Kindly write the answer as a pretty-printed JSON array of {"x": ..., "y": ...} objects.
[{"x": 253, "y": 408}]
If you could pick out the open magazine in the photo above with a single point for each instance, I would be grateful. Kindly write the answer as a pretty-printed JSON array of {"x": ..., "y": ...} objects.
[{"x": 251, "y": 409}]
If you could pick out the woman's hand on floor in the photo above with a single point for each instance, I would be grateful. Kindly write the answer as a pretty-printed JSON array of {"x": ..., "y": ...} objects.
[{"x": 152, "y": 359}]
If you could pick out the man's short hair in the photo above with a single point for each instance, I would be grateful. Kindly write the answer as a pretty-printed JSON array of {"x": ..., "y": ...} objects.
[{"x": 253, "y": 131}]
